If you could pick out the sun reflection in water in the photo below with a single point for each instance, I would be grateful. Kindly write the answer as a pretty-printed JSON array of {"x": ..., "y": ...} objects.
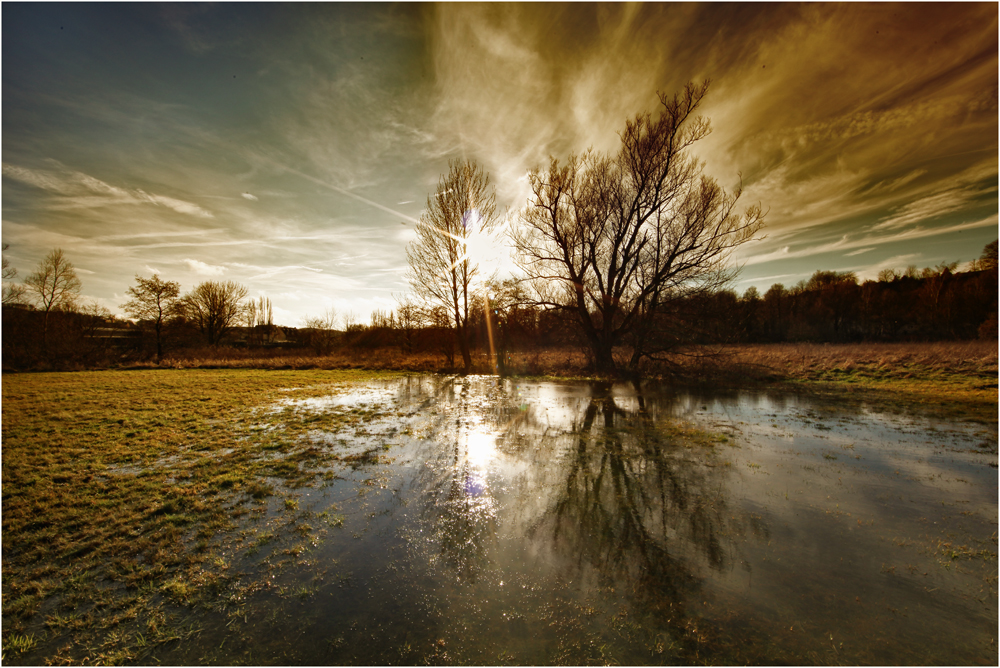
[
  {"x": 480, "y": 448},
  {"x": 480, "y": 451}
]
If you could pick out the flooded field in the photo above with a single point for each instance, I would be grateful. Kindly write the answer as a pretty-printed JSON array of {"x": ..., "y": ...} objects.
[{"x": 481, "y": 520}]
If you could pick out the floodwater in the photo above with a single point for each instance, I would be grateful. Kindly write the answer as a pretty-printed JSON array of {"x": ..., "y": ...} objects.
[{"x": 498, "y": 521}]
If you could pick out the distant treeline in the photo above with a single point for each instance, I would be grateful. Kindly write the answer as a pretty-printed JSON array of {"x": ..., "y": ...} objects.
[{"x": 933, "y": 304}]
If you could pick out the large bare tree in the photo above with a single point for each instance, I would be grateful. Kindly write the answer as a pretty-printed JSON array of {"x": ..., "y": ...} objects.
[
  {"x": 441, "y": 270},
  {"x": 613, "y": 238},
  {"x": 153, "y": 301},
  {"x": 53, "y": 287},
  {"x": 215, "y": 307}
]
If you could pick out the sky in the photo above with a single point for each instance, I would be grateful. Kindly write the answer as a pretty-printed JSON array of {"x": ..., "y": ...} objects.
[{"x": 291, "y": 148}]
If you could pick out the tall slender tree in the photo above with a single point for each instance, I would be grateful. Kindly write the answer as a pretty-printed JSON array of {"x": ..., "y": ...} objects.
[
  {"x": 441, "y": 269},
  {"x": 259, "y": 317}
]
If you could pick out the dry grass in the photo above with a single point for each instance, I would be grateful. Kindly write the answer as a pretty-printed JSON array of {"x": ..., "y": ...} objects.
[
  {"x": 779, "y": 362},
  {"x": 555, "y": 362},
  {"x": 957, "y": 379},
  {"x": 813, "y": 361},
  {"x": 952, "y": 379}
]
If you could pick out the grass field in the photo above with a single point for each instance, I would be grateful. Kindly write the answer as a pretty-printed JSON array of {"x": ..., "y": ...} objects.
[{"x": 117, "y": 486}]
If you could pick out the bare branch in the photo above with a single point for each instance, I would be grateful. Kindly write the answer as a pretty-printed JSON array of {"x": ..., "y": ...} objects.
[{"x": 611, "y": 238}]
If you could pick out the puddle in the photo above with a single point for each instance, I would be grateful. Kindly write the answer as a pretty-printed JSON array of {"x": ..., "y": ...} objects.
[{"x": 494, "y": 521}]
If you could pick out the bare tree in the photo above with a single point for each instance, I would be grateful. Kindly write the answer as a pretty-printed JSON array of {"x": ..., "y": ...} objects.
[
  {"x": 614, "y": 238},
  {"x": 322, "y": 331},
  {"x": 54, "y": 287},
  {"x": 441, "y": 272},
  {"x": 349, "y": 321},
  {"x": 153, "y": 302},
  {"x": 259, "y": 317},
  {"x": 383, "y": 319},
  {"x": 91, "y": 318},
  {"x": 13, "y": 293},
  {"x": 888, "y": 275},
  {"x": 215, "y": 307},
  {"x": 409, "y": 318},
  {"x": 986, "y": 261}
]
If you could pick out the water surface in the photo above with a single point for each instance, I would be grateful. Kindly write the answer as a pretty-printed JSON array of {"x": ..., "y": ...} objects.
[{"x": 481, "y": 520}]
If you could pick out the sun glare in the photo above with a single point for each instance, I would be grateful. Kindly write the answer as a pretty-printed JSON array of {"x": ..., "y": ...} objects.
[
  {"x": 482, "y": 247},
  {"x": 481, "y": 448}
]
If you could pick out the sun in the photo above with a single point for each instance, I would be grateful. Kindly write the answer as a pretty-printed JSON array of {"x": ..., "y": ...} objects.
[{"x": 485, "y": 248}]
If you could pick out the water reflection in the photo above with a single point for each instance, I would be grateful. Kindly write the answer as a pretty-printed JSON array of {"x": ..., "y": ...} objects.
[
  {"x": 460, "y": 507},
  {"x": 634, "y": 502},
  {"x": 544, "y": 522},
  {"x": 528, "y": 485}
]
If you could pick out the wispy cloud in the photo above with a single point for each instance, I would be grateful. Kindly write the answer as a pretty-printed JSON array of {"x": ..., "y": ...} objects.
[
  {"x": 768, "y": 279},
  {"x": 202, "y": 269},
  {"x": 895, "y": 262},
  {"x": 845, "y": 243},
  {"x": 78, "y": 190},
  {"x": 859, "y": 251},
  {"x": 261, "y": 272},
  {"x": 928, "y": 208}
]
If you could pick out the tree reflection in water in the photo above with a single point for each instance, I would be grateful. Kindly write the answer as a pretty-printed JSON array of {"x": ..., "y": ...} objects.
[
  {"x": 626, "y": 497},
  {"x": 644, "y": 509}
]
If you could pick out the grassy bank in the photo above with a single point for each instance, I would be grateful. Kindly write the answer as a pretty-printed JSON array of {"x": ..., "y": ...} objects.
[
  {"x": 952, "y": 379},
  {"x": 121, "y": 491}
]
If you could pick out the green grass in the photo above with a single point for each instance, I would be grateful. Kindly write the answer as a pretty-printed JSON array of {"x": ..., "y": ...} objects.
[
  {"x": 121, "y": 488},
  {"x": 952, "y": 380}
]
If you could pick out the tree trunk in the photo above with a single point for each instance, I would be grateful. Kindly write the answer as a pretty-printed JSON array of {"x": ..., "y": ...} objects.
[
  {"x": 604, "y": 361},
  {"x": 463, "y": 345},
  {"x": 159, "y": 344}
]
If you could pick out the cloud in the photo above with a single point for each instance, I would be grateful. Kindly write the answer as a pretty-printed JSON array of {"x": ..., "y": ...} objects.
[
  {"x": 928, "y": 208},
  {"x": 260, "y": 272},
  {"x": 250, "y": 197},
  {"x": 177, "y": 205},
  {"x": 78, "y": 190},
  {"x": 36, "y": 178},
  {"x": 844, "y": 243},
  {"x": 151, "y": 270},
  {"x": 859, "y": 251},
  {"x": 203, "y": 269},
  {"x": 348, "y": 193},
  {"x": 158, "y": 234},
  {"x": 894, "y": 262},
  {"x": 766, "y": 279},
  {"x": 345, "y": 126},
  {"x": 891, "y": 185}
]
